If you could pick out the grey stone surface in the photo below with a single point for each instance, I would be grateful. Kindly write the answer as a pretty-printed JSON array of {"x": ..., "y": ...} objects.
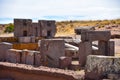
[
  {"x": 24, "y": 56},
  {"x": 111, "y": 48},
  {"x": 51, "y": 50},
  {"x": 95, "y": 35},
  {"x": 28, "y": 57},
  {"x": 23, "y": 59},
  {"x": 48, "y": 28},
  {"x": 37, "y": 59},
  {"x": 85, "y": 49},
  {"x": 24, "y": 39},
  {"x": 106, "y": 48},
  {"x": 64, "y": 62},
  {"x": 14, "y": 55},
  {"x": 114, "y": 76},
  {"x": 102, "y": 65},
  {"x": 103, "y": 48},
  {"x": 4, "y": 46},
  {"x": 70, "y": 52},
  {"x": 25, "y": 27},
  {"x": 80, "y": 29}
]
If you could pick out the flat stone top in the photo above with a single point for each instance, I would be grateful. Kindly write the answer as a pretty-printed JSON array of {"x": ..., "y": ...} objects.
[
  {"x": 72, "y": 75},
  {"x": 15, "y": 50},
  {"x": 103, "y": 31},
  {"x": 52, "y": 39},
  {"x": 109, "y": 57},
  {"x": 46, "y": 20},
  {"x": 24, "y": 50},
  {"x": 84, "y": 27},
  {"x": 22, "y": 19},
  {"x": 6, "y": 43}
]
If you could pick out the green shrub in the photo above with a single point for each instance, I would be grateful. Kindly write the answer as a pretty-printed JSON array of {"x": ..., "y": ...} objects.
[{"x": 9, "y": 28}]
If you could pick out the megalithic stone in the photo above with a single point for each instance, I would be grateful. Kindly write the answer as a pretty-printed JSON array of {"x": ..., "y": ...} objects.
[
  {"x": 14, "y": 56},
  {"x": 95, "y": 35},
  {"x": 64, "y": 62},
  {"x": 4, "y": 46},
  {"x": 100, "y": 66},
  {"x": 30, "y": 57},
  {"x": 37, "y": 58},
  {"x": 24, "y": 54},
  {"x": 85, "y": 49},
  {"x": 106, "y": 48},
  {"x": 111, "y": 48},
  {"x": 51, "y": 50},
  {"x": 103, "y": 47}
]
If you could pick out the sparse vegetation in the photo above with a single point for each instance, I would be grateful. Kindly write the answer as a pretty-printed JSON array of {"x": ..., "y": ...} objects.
[
  {"x": 67, "y": 27},
  {"x": 9, "y": 28}
]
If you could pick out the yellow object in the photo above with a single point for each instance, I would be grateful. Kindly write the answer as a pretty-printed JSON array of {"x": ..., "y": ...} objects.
[
  {"x": 8, "y": 39},
  {"x": 29, "y": 46}
]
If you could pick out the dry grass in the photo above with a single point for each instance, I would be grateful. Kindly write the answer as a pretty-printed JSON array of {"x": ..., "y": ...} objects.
[
  {"x": 6, "y": 35},
  {"x": 67, "y": 27}
]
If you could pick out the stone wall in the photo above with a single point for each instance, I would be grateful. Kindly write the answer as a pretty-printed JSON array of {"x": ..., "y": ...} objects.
[
  {"x": 51, "y": 50},
  {"x": 105, "y": 47},
  {"x": 48, "y": 28},
  {"x": 25, "y": 27},
  {"x": 26, "y": 72},
  {"x": 4, "y": 46},
  {"x": 98, "y": 67},
  {"x": 24, "y": 56}
]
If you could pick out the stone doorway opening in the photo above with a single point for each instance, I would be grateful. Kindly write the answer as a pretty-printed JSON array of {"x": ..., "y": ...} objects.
[
  {"x": 48, "y": 33},
  {"x": 25, "y": 33}
]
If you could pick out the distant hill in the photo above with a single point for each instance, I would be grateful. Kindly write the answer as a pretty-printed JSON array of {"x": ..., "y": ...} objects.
[{"x": 67, "y": 27}]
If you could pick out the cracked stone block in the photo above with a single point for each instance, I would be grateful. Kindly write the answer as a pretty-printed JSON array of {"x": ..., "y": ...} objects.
[
  {"x": 4, "y": 46},
  {"x": 37, "y": 58},
  {"x": 85, "y": 49},
  {"x": 51, "y": 50},
  {"x": 14, "y": 56},
  {"x": 28, "y": 57},
  {"x": 99, "y": 66},
  {"x": 106, "y": 48}
]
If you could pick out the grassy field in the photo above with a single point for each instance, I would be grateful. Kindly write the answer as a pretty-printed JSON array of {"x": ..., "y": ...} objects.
[{"x": 67, "y": 27}]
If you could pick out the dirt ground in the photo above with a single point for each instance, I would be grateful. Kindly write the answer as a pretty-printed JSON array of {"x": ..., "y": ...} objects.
[{"x": 6, "y": 35}]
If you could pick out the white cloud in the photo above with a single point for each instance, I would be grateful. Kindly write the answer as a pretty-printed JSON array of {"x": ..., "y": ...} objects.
[{"x": 89, "y": 9}]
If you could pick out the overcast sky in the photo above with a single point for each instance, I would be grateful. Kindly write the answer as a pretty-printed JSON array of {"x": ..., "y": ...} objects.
[{"x": 59, "y": 9}]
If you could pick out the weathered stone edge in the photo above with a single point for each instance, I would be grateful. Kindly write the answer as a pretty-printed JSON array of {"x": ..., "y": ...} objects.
[{"x": 42, "y": 70}]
